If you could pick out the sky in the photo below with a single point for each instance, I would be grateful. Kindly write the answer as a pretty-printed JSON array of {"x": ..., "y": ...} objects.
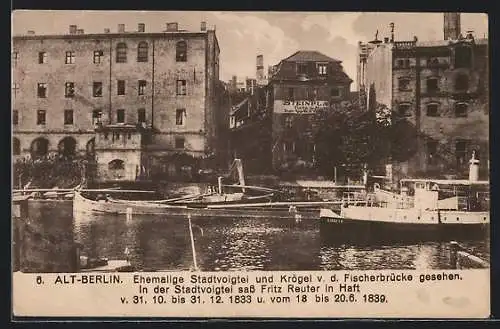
[{"x": 276, "y": 35}]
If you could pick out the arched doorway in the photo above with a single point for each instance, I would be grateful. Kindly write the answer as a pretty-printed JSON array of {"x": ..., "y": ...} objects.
[
  {"x": 90, "y": 148},
  {"x": 67, "y": 146},
  {"x": 116, "y": 168},
  {"x": 16, "y": 146},
  {"x": 39, "y": 147}
]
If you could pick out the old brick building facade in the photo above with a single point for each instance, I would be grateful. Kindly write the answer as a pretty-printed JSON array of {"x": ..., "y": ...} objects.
[
  {"x": 135, "y": 99},
  {"x": 277, "y": 122},
  {"x": 441, "y": 89}
]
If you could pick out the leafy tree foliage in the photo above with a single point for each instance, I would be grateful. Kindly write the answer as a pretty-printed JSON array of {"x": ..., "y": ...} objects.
[{"x": 352, "y": 136}]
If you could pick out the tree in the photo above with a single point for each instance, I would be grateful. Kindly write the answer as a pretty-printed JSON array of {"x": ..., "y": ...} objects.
[{"x": 350, "y": 135}]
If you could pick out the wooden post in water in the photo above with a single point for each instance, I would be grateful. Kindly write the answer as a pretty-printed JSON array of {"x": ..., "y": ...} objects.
[
  {"x": 453, "y": 254},
  {"x": 195, "y": 263}
]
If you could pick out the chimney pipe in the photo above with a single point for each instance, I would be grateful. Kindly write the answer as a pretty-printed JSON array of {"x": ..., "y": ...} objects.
[
  {"x": 203, "y": 26},
  {"x": 121, "y": 28},
  {"x": 386, "y": 40},
  {"x": 141, "y": 27},
  {"x": 72, "y": 29},
  {"x": 391, "y": 26},
  {"x": 106, "y": 30}
]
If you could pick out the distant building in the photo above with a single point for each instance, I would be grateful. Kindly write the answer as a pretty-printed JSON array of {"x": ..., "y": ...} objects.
[
  {"x": 277, "y": 123},
  {"x": 440, "y": 88},
  {"x": 136, "y": 101}
]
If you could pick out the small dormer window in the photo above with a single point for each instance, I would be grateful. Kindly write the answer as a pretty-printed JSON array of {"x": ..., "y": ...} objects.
[
  {"x": 322, "y": 68},
  {"x": 301, "y": 68}
]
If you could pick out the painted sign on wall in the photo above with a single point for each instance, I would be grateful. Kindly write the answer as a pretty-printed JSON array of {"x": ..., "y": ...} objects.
[{"x": 300, "y": 107}]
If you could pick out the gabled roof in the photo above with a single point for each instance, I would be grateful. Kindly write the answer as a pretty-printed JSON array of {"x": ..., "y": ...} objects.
[{"x": 310, "y": 56}]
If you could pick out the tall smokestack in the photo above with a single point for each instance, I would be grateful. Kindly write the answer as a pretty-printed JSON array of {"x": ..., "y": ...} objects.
[
  {"x": 260, "y": 68},
  {"x": 451, "y": 26}
]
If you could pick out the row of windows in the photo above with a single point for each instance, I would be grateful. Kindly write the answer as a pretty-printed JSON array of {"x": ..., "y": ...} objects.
[
  {"x": 179, "y": 141},
  {"x": 432, "y": 84},
  {"x": 432, "y": 109},
  {"x": 41, "y": 117},
  {"x": 121, "y": 54},
  {"x": 463, "y": 58},
  {"x": 69, "y": 88},
  {"x": 311, "y": 93},
  {"x": 460, "y": 152},
  {"x": 303, "y": 68}
]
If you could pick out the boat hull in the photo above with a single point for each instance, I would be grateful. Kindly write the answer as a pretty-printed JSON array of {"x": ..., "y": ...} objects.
[
  {"x": 86, "y": 209},
  {"x": 340, "y": 229}
]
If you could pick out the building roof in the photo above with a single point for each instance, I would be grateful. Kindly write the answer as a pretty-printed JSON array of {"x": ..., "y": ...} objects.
[{"x": 310, "y": 56}]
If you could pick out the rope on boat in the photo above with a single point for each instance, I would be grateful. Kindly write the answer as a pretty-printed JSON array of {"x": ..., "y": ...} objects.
[{"x": 195, "y": 263}]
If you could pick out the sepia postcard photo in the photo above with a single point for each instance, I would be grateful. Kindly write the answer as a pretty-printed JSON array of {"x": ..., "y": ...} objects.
[{"x": 249, "y": 142}]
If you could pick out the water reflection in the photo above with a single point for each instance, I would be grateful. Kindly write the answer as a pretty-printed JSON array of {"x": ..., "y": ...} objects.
[{"x": 155, "y": 243}]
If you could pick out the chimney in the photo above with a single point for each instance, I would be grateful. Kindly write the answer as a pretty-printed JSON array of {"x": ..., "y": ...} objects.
[
  {"x": 121, "y": 28},
  {"x": 72, "y": 29},
  {"x": 391, "y": 27},
  {"x": 31, "y": 32},
  {"x": 260, "y": 68},
  {"x": 80, "y": 31},
  {"x": 386, "y": 40},
  {"x": 172, "y": 27},
  {"x": 106, "y": 30},
  {"x": 141, "y": 27},
  {"x": 203, "y": 26},
  {"x": 451, "y": 26}
]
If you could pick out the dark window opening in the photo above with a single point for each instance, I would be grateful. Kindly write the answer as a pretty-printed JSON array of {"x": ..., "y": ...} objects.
[
  {"x": 463, "y": 57},
  {"x": 121, "y": 52},
  {"x": 15, "y": 57},
  {"x": 179, "y": 143},
  {"x": 141, "y": 89},
  {"x": 120, "y": 88},
  {"x": 141, "y": 115},
  {"x": 42, "y": 57},
  {"x": 460, "y": 110},
  {"x": 15, "y": 117},
  {"x": 116, "y": 165},
  {"x": 461, "y": 82},
  {"x": 96, "y": 116},
  {"x": 98, "y": 56},
  {"x": 181, "y": 51},
  {"x": 432, "y": 85},
  {"x": 42, "y": 90},
  {"x": 461, "y": 152},
  {"x": 404, "y": 84},
  {"x": 335, "y": 92},
  {"x": 431, "y": 152},
  {"x": 40, "y": 117},
  {"x": 67, "y": 146},
  {"x": 97, "y": 89},
  {"x": 69, "y": 89},
  {"x": 68, "y": 117},
  {"x": 39, "y": 147},
  {"x": 288, "y": 121},
  {"x": 70, "y": 57},
  {"x": 16, "y": 146},
  {"x": 290, "y": 94},
  {"x": 120, "y": 116},
  {"x": 404, "y": 109},
  {"x": 180, "y": 114},
  {"x": 432, "y": 110},
  {"x": 181, "y": 87},
  {"x": 142, "y": 52},
  {"x": 301, "y": 68}
]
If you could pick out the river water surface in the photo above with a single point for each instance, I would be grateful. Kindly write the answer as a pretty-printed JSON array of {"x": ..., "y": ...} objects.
[{"x": 46, "y": 240}]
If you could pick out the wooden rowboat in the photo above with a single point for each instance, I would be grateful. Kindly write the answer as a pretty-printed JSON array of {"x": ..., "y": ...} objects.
[{"x": 85, "y": 209}]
